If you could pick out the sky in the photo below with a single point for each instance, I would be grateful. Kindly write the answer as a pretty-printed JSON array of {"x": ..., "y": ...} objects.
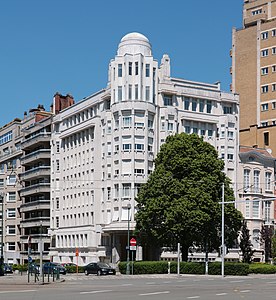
[{"x": 49, "y": 46}]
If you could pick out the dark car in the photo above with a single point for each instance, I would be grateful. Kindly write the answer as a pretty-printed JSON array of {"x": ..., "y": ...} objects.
[
  {"x": 33, "y": 268},
  {"x": 7, "y": 269},
  {"x": 99, "y": 269},
  {"x": 51, "y": 267}
]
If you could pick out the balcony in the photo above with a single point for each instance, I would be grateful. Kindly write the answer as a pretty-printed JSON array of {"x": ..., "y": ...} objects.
[
  {"x": 252, "y": 20},
  {"x": 38, "y": 172},
  {"x": 34, "y": 140},
  {"x": 35, "y": 205},
  {"x": 35, "y": 189},
  {"x": 35, "y": 222},
  {"x": 36, "y": 156}
]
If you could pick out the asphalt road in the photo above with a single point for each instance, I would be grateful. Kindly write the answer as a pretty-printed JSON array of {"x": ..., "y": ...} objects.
[{"x": 145, "y": 288}]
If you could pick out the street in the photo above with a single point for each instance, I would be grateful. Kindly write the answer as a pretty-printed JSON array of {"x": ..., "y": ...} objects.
[{"x": 160, "y": 287}]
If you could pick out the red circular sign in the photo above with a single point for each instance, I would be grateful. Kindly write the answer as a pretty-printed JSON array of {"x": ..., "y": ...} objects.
[{"x": 132, "y": 242}]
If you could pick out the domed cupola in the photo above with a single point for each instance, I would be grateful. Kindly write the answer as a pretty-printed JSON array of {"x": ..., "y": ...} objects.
[{"x": 134, "y": 43}]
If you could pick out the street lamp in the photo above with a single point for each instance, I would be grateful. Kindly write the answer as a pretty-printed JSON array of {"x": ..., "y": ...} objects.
[
  {"x": 128, "y": 214},
  {"x": 2, "y": 237}
]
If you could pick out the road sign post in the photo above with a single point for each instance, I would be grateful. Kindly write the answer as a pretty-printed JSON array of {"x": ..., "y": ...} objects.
[{"x": 132, "y": 247}]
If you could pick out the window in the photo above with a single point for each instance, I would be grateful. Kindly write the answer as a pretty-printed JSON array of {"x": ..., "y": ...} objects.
[
  {"x": 57, "y": 164},
  {"x": 227, "y": 110},
  {"x": 264, "y": 71},
  {"x": 264, "y": 124},
  {"x": 57, "y": 203},
  {"x": 209, "y": 106},
  {"x": 167, "y": 100},
  {"x": 267, "y": 205},
  {"x": 120, "y": 93},
  {"x": 6, "y": 137},
  {"x": 136, "y": 92},
  {"x": 264, "y": 106},
  {"x": 11, "y": 246},
  {"x": 194, "y": 105},
  {"x": 256, "y": 184},
  {"x": 266, "y": 138},
  {"x": 126, "y": 147},
  {"x": 273, "y": 105},
  {"x": 273, "y": 68},
  {"x": 147, "y": 93},
  {"x": 1, "y": 182},
  {"x": 186, "y": 103},
  {"x": 129, "y": 92},
  {"x": 210, "y": 133},
  {"x": 273, "y": 87},
  {"x": 139, "y": 147},
  {"x": 170, "y": 126},
  {"x": 57, "y": 147},
  {"x": 11, "y": 180},
  {"x": 116, "y": 190},
  {"x": 130, "y": 68},
  {"x": 201, "y": 105},
  {"x": 273, "y": 32},
  {"x": 139, "y": 171},
  {"x": 273, "y": 50},
  {"x": 11, "y": 213},
  {"x": 247, "y": 208},
  {"x": 230, "y": 135},
  {"x": 256, "y": 12},
  {"x": 264, "y": 52},
  {"x": 264, "y": 89},
  {"x": 126, "y": 190},
  {"x": 136, "y": 68},
  {"x": 11, "y": 230},
  {"x": 267, "y": 181},
  {"x": 147, "y": 70},
  {"x": 187, "y": 129},
  {"x": 120, "y": 70},
  {"x": 127, "y": 122},
  {"x": 264, "y": 35},
  {"x": 11, "y": 197},
  {"x": 246, "y": 179},
  {"x": 255, "y": 210},
  {"x": 57, "y": 222}
]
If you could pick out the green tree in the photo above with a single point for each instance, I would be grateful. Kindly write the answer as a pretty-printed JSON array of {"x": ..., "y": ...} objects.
[
  {"x": 273, "y": 247},
  {"x": 266, "y": 237},
  {"x": 180, "y": 201},
  {"x": 245, "y": 244}
]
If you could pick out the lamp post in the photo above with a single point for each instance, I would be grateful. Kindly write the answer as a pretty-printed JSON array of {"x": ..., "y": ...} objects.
[
  {"x": 128, "y": 214},
  {"x": 2, "y": 237},
  {"x": 222, "y": 233}
]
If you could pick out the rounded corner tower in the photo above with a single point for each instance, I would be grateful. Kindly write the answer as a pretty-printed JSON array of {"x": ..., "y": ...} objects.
[{"x": 133, "y": 43}]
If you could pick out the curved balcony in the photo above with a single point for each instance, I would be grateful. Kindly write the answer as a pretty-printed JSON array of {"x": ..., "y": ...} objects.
[
  {"x": 41, "y": 154},
  {"x": 38, "y": 172},
  {"x": 35, "y": 205},
  {"x": 34, "y": 140},
  {"x": 35, "y": 222},
  {"x": 35, "y": 189}
]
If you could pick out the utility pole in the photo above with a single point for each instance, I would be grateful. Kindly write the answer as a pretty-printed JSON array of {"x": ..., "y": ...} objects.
[
  {"x": 128, "y": 214},
  {"x": 222, "y": 232}
]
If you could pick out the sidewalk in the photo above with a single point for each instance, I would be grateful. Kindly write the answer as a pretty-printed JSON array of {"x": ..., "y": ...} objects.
[{"x": 19, "y": 279}]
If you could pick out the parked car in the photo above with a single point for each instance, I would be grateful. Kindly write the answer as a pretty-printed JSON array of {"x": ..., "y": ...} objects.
[
  {"x": 99, "y": 269},
  {"x": 50, "y": 267},
  {"x": 7, "y": 269},
  {"x": 33, "y": 268}
]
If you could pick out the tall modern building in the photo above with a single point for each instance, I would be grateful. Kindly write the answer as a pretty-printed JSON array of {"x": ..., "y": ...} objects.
[
  {"x": 254, "y": 73},
  {"x": 103, "y": 148}
]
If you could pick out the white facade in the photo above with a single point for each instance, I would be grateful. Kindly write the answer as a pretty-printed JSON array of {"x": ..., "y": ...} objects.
[
  {"x": 256, "y": 191},
  {"x": 103, "y": 148}
]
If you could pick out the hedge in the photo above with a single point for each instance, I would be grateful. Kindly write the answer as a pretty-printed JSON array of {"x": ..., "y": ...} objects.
[
  {"x": 161, "y": 267},
  {"x": 261, "y": 268}
]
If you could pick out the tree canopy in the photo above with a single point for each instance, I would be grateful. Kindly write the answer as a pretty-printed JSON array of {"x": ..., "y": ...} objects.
[
  {"x": 245, "y": 244},
  {"x": 180, "y": 201}
]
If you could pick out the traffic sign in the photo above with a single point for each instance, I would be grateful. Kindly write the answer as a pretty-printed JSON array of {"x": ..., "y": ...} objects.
[
  {"x": 132, "y": 242},
  {"x": 132, "y": 248}
]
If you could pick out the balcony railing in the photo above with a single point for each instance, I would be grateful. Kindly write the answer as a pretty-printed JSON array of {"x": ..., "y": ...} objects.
[
  {"x": 36, "y": 155},
  {"x": 35, "y": 205},
  {"x": 41, "y": 137},
  {"x": 36, "y": 172},
  {"x": 35, "y": 188}
]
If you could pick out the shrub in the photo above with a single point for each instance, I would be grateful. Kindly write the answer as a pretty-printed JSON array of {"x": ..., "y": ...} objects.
[
  {"x": 261, "y": 268},
  {"x": 161, "y": 267},
  {"x": 73, "y": 269}
]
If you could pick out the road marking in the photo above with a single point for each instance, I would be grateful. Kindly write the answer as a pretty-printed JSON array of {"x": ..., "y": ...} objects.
[
  {"x": 150, "y": 282},
  {"x": 21, "y": 291},
  {"x": 181, "y": 280},
  {"x": 271, "y": 282},
  {"x": 193, "y": 297},
  {"x": 245, "y": 291},
  {"x": 167, "y": 282},
  {"x": 95, "y": 292},
  {"x": 126, "y": 284},
  {"x": 154, "y": 293},
  {"x": 222, "y": 294},
  {"x": 235, "y": 281}
]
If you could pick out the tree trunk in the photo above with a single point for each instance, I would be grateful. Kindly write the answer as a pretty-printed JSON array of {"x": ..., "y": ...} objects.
[{"x": 184, "y": 252}]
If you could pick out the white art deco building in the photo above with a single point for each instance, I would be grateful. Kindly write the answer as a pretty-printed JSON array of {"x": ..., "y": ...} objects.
[{"x": 103, "y": 148}]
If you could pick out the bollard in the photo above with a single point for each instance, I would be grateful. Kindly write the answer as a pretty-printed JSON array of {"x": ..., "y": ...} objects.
[{"x": 169, "y": 267}]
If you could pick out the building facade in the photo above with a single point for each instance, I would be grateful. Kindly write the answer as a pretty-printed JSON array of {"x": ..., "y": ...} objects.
[
  {"x": 254, "y": 73},
  {"x": 256, "y": 193},
  {"x": 103, "y": 148},
  {"x": 10, "y": 168}
]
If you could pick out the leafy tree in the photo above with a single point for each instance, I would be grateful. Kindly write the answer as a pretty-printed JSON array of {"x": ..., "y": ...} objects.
[
  {"x": 266, "y": 238},
  {"x": 245, "y": 244},
  {"x": 273, "y": 246},
  {"x": 180, "y": 201}
]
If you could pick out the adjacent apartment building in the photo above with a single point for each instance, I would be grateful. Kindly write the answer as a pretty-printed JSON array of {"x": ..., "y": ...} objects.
[
  {"x": 254, "y": 73},
  {"x": 103, "y": 148}
]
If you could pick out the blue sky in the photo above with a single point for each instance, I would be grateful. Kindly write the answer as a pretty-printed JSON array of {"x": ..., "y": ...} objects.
[{"x": 66, "y": 45}]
